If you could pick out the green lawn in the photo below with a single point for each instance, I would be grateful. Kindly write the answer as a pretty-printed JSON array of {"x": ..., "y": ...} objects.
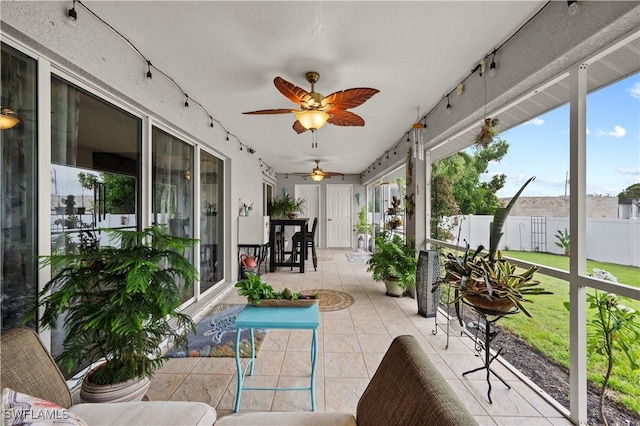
[{"x": 548, "y": 330}]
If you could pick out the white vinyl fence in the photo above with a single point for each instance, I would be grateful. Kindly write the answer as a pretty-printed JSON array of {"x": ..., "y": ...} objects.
[{"x": 608, "y": 240}]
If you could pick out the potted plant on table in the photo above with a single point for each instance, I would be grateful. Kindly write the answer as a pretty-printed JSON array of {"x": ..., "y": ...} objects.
[
  {"x": 118, "y": 304},
  {"x": 393, "y": 262},
  {"x": 260, "y": 293},
  {"x": 286, "y": 206},
  {"x": 490, "y": 282}
]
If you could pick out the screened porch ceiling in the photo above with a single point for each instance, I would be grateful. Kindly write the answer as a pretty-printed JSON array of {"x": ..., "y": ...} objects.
[{"x": 225, "y": 56}]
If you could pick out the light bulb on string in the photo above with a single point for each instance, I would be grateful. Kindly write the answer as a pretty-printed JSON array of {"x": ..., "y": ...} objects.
[
  {"x": 72, "y": 16},
  {"x": 211, "y": 123},
  {"x": 573, "y": 7},
  {"x": 149, "y": 75},
  {"x": 492, "y": 67},
  {"x": 448, "y": 110},
  {"x": 186, "y": 101}
]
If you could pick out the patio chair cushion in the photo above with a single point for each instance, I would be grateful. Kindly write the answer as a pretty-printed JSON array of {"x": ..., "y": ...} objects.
[
  {"x": 27, "y": 367},
  {"x": 408, "y": 389}
]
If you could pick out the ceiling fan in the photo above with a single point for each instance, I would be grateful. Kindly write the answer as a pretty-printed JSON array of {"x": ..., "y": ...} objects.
[
  {"x": 316, "y": 109},
  {"x": 317, "y": 174}
]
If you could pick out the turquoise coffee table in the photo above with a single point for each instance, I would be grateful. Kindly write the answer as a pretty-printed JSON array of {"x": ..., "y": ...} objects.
[{"x": 253, "y": 317}]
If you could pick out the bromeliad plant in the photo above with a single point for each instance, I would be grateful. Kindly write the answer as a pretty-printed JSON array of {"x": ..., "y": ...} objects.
[{"x": 491, "y": 282}]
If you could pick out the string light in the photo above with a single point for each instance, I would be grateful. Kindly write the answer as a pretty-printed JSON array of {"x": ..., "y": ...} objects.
[
  {"x": 572, "y": 7},
  {"x": 72, "y": 16},
  {"x": 448, "y": 105},
  {"x": 492, "y": 67}
]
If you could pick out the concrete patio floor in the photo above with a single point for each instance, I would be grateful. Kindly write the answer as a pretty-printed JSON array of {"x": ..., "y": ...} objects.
[{"x": 352, "y": 342}]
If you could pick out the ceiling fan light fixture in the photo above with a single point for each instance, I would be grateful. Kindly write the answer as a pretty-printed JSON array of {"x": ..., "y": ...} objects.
[
  {"x": 312, "y": 119},
  {"x": 317, "y": 177},
  {"x": 7, "y": 119}
]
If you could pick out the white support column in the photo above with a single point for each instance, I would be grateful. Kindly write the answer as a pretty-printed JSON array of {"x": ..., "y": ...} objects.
[
  {"x": 43, "y": 150},
  {"x": 578, "y": 228}
]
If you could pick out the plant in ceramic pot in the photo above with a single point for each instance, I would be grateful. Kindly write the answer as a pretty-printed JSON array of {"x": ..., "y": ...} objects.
[
  {"x": 118, "y": 304},
  {"x": 393, "y": 262},
  {"x": 362, "y": 228},
  {"x": 259, "y": 292},
  {"x": 286, "y": 206},
  {"x": 491, "y": 282}
]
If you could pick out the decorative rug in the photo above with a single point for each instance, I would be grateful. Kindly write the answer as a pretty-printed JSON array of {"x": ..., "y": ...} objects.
[
  {"x": 215, "y": 335},
  {"x": 331, "y": 300},
  {"x": 358, "y": 256}
]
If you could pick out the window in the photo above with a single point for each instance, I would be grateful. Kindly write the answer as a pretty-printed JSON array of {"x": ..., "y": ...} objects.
[
  {"x": 172, "y": 166},
  {"x": 17, "y": 163},
  {"x": 211, "y": 221},
  {"x": 95, "y": 170}
]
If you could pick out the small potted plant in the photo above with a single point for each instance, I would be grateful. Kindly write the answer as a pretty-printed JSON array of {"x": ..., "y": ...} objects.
[
  {"x": 286, "y": 206},
  {"x": 119, "y": 305},
  {"x": 393, "y": 262},
  {"x": 260, "y": 293},
  {"x": 362, "y": 228}
]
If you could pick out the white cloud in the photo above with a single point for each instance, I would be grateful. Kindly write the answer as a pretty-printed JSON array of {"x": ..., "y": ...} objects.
[
  {"x": 535, "y": 122},
  {"x": 628, "y": 170},
  {"x": 617, "y": 132},
  {"x": 634, "y": 91}
]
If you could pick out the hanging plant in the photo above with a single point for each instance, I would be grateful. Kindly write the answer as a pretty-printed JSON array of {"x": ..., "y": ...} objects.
[{"x": 487, "y": 132}]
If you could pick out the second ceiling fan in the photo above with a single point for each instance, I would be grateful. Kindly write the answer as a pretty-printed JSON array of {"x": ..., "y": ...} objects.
[
  {"x": 317, "y": 174},
  {"x": 316, "y": 109}
]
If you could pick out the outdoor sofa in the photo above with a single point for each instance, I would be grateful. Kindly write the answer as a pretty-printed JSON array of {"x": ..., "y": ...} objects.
[{"x": 407, "y": 389}]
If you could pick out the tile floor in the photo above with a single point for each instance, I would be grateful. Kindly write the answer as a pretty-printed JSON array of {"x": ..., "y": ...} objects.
[{"x": 351, "y": 344}]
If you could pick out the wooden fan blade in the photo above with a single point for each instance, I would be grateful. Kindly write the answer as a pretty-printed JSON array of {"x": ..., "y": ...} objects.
[
  {"x": 349, "y": 98},
  {"x": 272, "y": 111},
  {"x": 345, "y": 118},
  {"x": 294, "y": 93},
  {"x": 329, "y": 174},
  {"x": 298, "y": 127}
]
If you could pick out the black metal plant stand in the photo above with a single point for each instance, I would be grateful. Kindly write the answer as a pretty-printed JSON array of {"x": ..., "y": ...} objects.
[
  {"x": 447, "y": 325},
  {"x": 489, "y": 318}
]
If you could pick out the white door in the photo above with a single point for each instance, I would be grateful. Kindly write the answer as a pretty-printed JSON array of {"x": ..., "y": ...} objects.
[
  {"x": 311, "y": 209},
  {"x": 339, "y": 223}
]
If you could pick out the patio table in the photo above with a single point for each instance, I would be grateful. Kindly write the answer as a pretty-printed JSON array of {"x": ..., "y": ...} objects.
[{"x": 253, "y": 317}]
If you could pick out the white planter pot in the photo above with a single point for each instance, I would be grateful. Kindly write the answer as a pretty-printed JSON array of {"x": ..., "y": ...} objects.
[
  {"x": 132, "y": 390},
  {"x": 393, "y": 289}
]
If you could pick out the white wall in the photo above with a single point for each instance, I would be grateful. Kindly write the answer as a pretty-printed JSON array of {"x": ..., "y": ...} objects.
[
  {"x": 105, "y": 65},
  {"x": 608, "y": 240}
]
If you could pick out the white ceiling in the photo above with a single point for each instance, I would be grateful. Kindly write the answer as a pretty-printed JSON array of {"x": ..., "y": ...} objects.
[{"x": 225, "y": 56}]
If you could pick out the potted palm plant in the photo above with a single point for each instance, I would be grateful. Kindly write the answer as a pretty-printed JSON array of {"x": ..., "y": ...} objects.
[
  {"x": 118, "y": 305},
  {"x": 393, "y": 262}
]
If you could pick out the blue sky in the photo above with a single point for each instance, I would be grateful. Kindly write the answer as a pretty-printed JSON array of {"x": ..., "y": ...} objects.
[{"x": 540, "y": 147}]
